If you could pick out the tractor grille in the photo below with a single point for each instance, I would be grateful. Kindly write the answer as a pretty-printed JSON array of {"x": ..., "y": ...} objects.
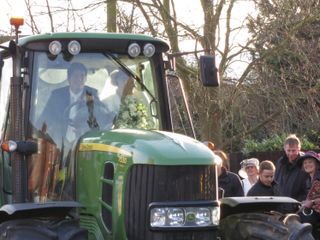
[{"x": 146, "y": 184}]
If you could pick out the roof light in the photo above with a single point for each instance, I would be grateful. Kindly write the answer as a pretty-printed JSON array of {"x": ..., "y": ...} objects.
[
  {"x": 74, "y": 47},
  {"x": 55, "y": 47},
  {"x": 17, "y": 22},
  {"x": 134, "y": 50},
  {"x": 149, "y": 50}
]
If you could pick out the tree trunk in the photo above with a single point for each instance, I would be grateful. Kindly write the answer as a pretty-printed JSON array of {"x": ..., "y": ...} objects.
[{"x": 111, "y": 15}]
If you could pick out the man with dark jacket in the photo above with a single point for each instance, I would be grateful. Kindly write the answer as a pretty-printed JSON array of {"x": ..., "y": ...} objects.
[
  {"x": 289, "y": 175},
  {"x": 230, "y": 183},
  {"x": 265, "y": 186}
]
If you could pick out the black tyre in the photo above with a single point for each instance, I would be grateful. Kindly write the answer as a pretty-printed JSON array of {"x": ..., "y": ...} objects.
[
  {"x": 264, "y": 226},
  {"x": 41, "y": 229}
]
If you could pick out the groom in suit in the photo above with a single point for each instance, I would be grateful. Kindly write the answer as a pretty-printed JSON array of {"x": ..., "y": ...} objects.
[
  {"x": 61, "y": 105},
  {"x": 63, "y": 97}
]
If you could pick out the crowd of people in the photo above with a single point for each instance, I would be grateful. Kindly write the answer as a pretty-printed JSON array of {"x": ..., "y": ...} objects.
[{"x": 296, "y": 174}]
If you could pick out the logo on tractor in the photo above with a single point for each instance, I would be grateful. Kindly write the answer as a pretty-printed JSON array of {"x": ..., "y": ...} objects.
[
  {"x": 191, "y": 216},
  {"x": 122, "y": 159}
]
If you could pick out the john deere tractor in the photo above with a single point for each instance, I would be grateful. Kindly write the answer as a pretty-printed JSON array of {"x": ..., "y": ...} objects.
[{"x": 110, "y": 165}]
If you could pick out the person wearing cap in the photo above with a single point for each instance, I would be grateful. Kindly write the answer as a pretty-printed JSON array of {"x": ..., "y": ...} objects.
[
  {"x": 249, "y": 173},
  {"x": 310, "y": 207},
  {"x": 265, "y": 186},
  {"x": 290, "y": 177}
]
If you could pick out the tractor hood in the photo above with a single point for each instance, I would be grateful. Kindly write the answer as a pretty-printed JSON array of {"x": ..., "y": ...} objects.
[{"x": 150, "y": 147}]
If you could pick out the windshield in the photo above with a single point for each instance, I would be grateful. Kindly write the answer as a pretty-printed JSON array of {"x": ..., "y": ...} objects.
[{"x": 71, "y": 96}]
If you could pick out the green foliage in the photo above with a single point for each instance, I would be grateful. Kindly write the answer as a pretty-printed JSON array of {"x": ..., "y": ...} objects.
[
  {"x": 284, "y": 88},
  {"x": 306, "y": 144},
  {"x": 275, "y": 143}
]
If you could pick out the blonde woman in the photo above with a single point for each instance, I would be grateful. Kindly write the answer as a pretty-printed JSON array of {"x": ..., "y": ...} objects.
[{"x": 249, "y": 172}]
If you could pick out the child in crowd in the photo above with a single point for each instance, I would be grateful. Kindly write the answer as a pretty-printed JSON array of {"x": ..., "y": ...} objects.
[
  {"x": 265, "y": 186},
  {"x": 249, "y": 173}
]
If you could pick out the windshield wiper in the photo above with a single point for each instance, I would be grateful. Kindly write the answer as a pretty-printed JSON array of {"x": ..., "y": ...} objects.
[{"x": 127, "y": 70}]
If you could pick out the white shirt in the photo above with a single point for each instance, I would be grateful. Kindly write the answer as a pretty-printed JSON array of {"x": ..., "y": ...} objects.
[
  {"x": 246, "y": 185},
  {"x": 74, "y": 97}
]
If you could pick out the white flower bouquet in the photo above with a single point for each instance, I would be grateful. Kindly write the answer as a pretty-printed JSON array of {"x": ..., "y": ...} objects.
[{"x": 133, "y": 114}]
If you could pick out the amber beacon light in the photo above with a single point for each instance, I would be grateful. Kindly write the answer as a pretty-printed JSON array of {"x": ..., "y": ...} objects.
[{"x": 17, "y": 22}]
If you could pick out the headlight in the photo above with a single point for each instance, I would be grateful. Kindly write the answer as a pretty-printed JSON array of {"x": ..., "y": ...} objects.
[
  {"x": 177, "y": 215},
  {"x": 158, "y": 217},
  {"x": 202, "y": 216}
]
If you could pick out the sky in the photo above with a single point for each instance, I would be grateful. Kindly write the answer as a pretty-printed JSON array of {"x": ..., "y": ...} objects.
[
  {"x": 17, "y": 8},
  {"x": 191, "y": 14}
]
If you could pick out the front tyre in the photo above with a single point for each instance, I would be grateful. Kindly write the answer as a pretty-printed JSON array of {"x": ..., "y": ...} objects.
[
  {"x": 42, "y": 229},
  {"x": 264, "y": 226}
]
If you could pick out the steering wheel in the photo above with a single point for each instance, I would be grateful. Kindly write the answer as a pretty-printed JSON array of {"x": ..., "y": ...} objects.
[{"x": 80, "y": 117}]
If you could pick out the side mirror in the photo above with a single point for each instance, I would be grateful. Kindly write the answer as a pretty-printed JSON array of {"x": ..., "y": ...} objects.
[{"x": 208, "y": 72}]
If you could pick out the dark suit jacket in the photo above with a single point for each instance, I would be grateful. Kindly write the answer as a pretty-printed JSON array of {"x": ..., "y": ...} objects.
[
  {"x": 54, "y": 117},
  {"x": 60, "y": 98}
]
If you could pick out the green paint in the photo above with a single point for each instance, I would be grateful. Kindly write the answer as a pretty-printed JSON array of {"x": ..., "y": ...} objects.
[{"x": 146, "y": 147}]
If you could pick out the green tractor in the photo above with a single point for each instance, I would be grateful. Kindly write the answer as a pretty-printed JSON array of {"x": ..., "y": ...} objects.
[{"x": 110, "y": 164}]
